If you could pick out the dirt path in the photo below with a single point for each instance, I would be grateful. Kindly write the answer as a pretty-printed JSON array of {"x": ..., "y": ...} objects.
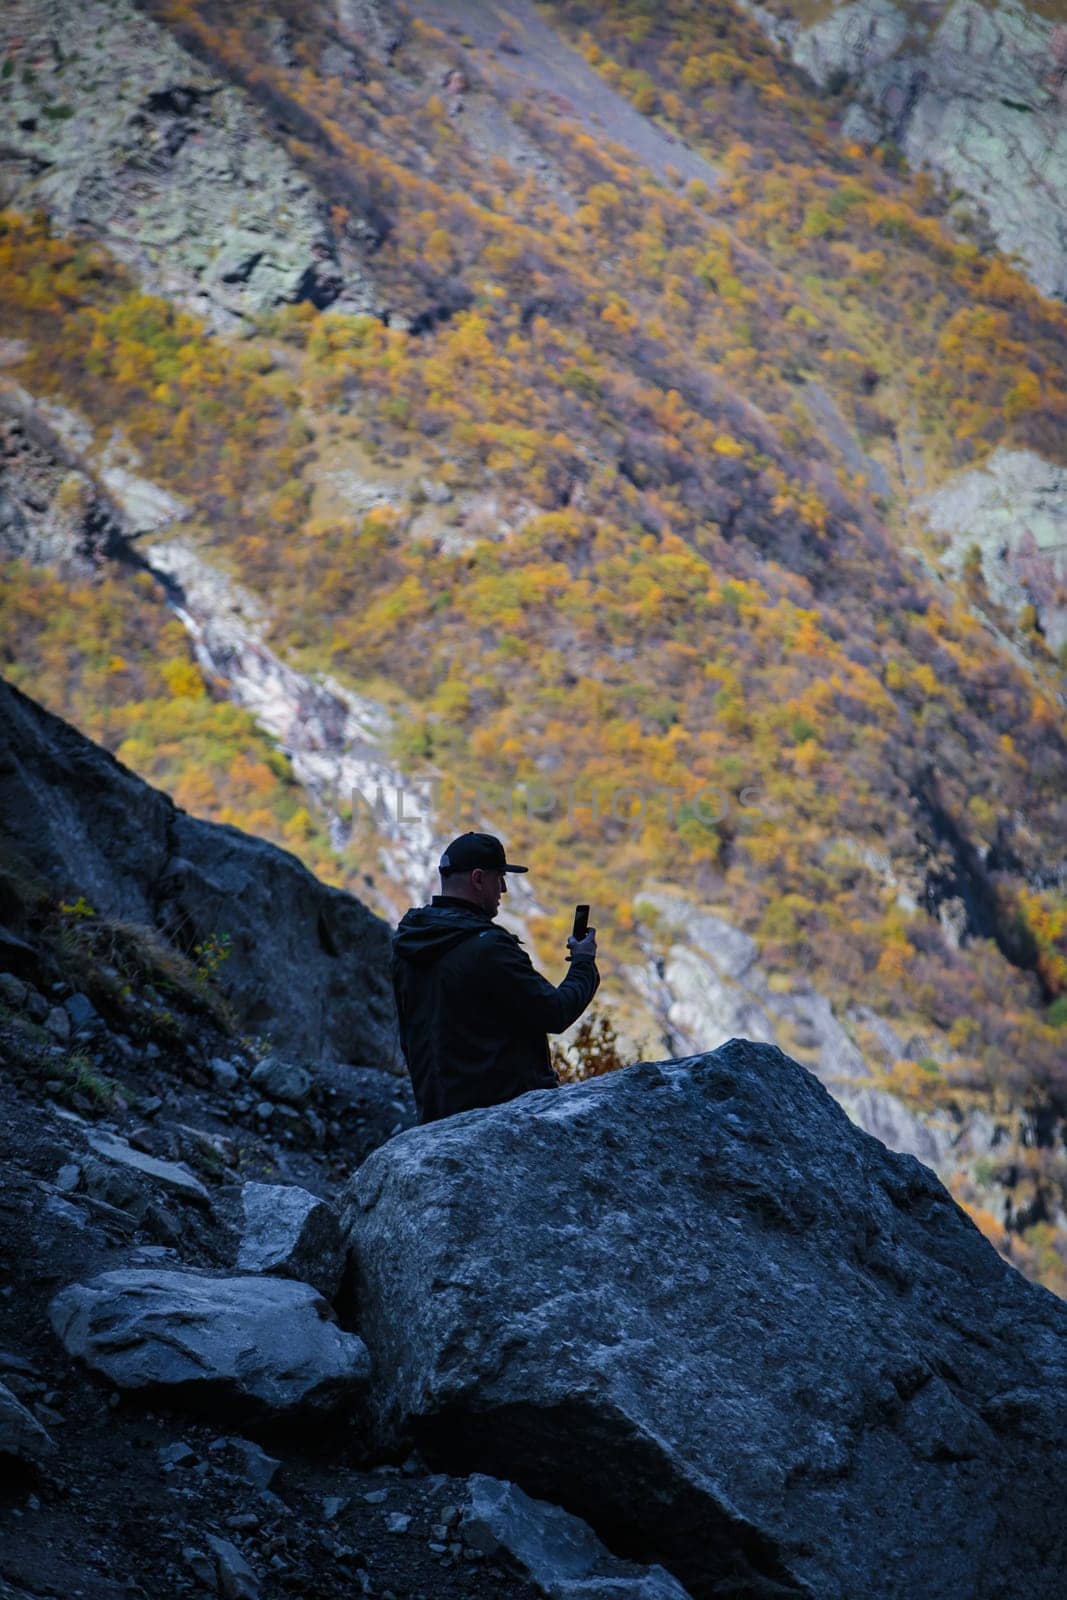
[{"x": 545, "y": 63}]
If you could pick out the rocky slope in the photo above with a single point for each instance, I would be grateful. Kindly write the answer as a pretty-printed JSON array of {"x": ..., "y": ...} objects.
[
  {"x": 972, "y": 90},
  {"x": 104, "y": 837},
  {"x": 256, "y": 1339}
]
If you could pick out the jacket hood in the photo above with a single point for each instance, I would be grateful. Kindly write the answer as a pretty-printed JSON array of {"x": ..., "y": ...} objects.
[{"x": 426, "y": 933}]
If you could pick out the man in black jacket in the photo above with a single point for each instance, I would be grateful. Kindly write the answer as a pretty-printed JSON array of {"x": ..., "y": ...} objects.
[{"x": 473, "y": 1011}]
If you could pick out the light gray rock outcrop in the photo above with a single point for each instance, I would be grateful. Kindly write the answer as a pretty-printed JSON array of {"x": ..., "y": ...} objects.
[
  {"x": 1014, "y": 509},
  {"x": 972, "y": 91},
  {"x": 559, "y": 1553},
  {"x": 292, "y": 1234},
  {"x": 711, "y": 987},
  {"x": 21, "y": 1435},
  {"x": 113, "y": 129},
  {"x": 261, "y": 1345},
  {"x": 693, "y": 1304},
  {"x": 309, "y": 965}
]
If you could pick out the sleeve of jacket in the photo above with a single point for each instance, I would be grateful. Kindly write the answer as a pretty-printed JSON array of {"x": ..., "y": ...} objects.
[{"x": 514, "y": 987}]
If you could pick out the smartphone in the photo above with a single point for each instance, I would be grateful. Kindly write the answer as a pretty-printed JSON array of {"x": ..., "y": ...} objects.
[{"x": 581, "y": 922}]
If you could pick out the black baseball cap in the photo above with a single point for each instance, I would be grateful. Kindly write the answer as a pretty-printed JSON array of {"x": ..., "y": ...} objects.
[{"x": 476, "y": 850}]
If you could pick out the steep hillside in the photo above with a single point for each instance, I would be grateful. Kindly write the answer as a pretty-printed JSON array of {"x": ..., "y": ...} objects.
[{"x": 639, "y": 493}]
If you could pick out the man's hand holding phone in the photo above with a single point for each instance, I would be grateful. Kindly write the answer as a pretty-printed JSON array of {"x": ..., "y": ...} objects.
[{"x": 582, "y": 942}]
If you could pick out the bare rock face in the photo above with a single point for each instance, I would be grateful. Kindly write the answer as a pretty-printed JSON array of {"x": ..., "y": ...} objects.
[
  {"x": 1013, "y": 508},
  {"x": 263, "y": 1345},
  {"x": 115, "y": 130},
  {"x": 976, "y": 91},
  {"x": 693, "y": 1304},
  {"x": 309, "y": 964}
]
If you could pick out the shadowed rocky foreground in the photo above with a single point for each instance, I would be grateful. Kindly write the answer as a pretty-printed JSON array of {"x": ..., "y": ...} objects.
[{"x": 681, "y": 1329}]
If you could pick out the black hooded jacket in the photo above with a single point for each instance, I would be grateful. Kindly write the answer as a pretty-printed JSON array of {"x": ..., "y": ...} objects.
[{"x": 473, "y": 1011}]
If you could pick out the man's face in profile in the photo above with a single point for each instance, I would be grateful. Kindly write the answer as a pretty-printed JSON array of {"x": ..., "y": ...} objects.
[{"x": 488, "y": 885}]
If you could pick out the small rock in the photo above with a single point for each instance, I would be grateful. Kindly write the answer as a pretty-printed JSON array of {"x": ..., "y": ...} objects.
[
  {"x": 37, "y": 1007},
  {"x": 293, "y": 1234},
  {"x": 376, "y": 1497},
  {"x": 81, "y": 1011},
  {"x": 13, "y": 992},
  {"x": 68, "y": 1177},
  {"x": 559, "y": 1552},
  {"x": 257, "y": 1467},
  {"x": 397, "y": 1522},
  {"x": 173, "y": 1175},
  {"x": 21, "y": 1434},
  {"x": 224, "y": 1073},
  {"x": 58, "y": 1024},
  {"x": 264, "y": 1111},
  {"x": 200, "y": 1565},
  {"x": 235, "y": 1577},
  {"x": 176, "y": 1455},
  {"x": 282, "y": 1080},
  {"x": 332, "y": 1506}
]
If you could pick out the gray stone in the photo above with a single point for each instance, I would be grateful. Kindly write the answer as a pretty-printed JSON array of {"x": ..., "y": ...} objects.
[
  {"x": 21, "y": 1435},
  {"x": 282, "y": 1080},
  {"x": 58, "y": 1024},
  {"x": 13, "y": 992},
  {"x": 291, "y": 1233},
  {"x": 559, "y": 1553},
  {"x": 235, "y": 1578},
  {"x": 68, "y": 1177},
  {"x": 693, "y": 1304},
  {"x": 263, "y": 1345},
  {"x": 224, "y": 1073},
  {"x": 1014, "y": 509},
  {"x": 81, "y": 1011},
  {"x": 98, "y": 830},
  {"x": 173, "y": 1175},
  {"x": 257, "y": 1467},
  {"x": 202, "y": 1566},
  {"x": 397, "y": 1522}
]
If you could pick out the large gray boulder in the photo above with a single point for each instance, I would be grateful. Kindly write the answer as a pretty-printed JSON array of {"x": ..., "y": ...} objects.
[
  {"x": 695, "y": 1305},
  {"x": 262, "y": 1346},
  {"x": 309, "y": 965},
  {"x": 291, "y": 1234}
]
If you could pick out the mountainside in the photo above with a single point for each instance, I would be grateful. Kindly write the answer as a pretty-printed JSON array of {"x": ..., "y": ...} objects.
[{"x": 571, "y": 419}]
